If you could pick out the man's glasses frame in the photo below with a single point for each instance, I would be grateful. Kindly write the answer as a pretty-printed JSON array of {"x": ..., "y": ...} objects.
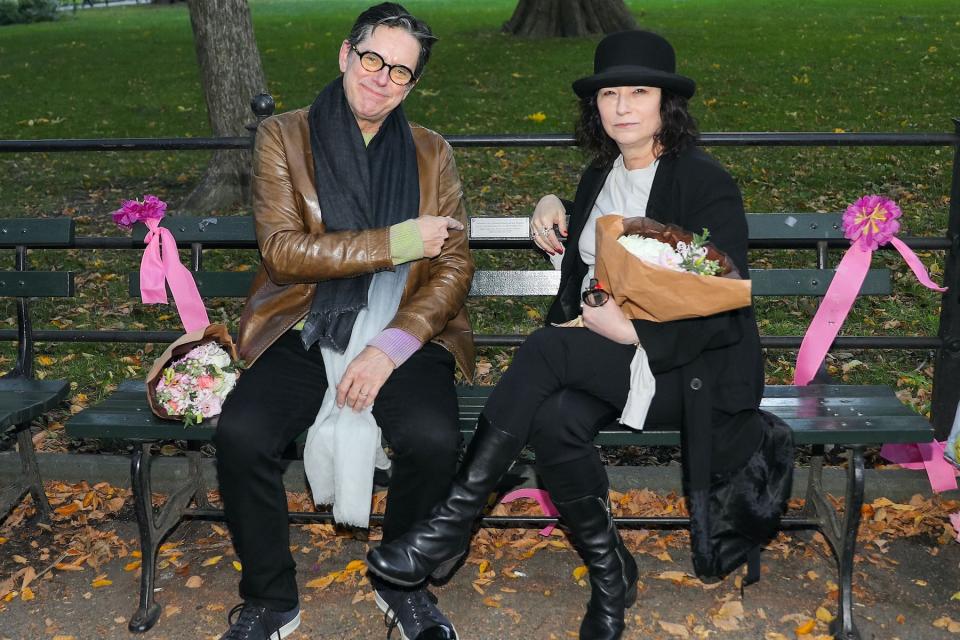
[
  {"x": 595, "y": 295},
  {"x": 373, "y": 62}
]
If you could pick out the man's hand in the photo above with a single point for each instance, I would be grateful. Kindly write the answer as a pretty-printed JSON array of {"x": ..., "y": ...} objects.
[
  {"x": 608, "y": 321},
  {"x": 549, "y": 212},
  {"x": 364, "y": 377},
  {"x": 434, "y": 230}
]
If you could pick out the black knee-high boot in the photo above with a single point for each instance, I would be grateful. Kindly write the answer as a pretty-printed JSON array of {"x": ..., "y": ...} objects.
[
  {"x": 612, "y": 569},
  {"x": 435, "y": 545}
]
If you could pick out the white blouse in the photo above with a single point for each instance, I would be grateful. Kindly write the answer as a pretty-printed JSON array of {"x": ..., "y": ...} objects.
[{"x": 626, "y": 193}]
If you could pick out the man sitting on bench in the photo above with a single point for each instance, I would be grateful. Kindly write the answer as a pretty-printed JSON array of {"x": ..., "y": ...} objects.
[{"x": 354, "y": 323}]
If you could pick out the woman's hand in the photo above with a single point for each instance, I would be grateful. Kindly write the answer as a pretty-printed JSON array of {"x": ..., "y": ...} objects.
[
  {"x": 548, "y": 212},
  {"x": 608, "y": 321}
]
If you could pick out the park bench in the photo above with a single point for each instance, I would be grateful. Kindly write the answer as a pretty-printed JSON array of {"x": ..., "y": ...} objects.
[
  {"x": 844, "y": 416},
  {"x": 23, "y": 398}
]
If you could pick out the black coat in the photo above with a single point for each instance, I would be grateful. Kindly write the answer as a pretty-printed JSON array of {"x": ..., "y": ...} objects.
[
  {"x": 737, "y": 461},
  {"x": 693, "y": 191}
]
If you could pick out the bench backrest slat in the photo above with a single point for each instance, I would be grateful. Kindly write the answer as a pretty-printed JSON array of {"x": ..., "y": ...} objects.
[
  {"x": 29, "y": 284},
  {"x": 766, "y": 282},
  {"x": 763, "y": 227},
  {"x": 808, "y": 227},
  {"x": 211, "y": 231},
  {"x": 36, "y": 232}
]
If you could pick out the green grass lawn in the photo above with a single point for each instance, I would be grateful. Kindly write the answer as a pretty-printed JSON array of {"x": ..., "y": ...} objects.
[{"x": 850, "y": 65}]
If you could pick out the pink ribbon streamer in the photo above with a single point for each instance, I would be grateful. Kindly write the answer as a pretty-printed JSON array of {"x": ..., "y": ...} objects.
[
  {"x": 161, "y": 266},
  {"x": 823, "y": 329},
  {"x": 926, "y": 456},
  {"x": 838, "y": 300},
  {"x": 542, "y": 498},
  {"x": 914, "y": 263},
  {"x": 832, "y": 312}
]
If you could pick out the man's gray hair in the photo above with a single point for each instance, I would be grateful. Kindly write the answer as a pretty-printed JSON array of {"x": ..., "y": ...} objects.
[{"x": 391, "y": 14}]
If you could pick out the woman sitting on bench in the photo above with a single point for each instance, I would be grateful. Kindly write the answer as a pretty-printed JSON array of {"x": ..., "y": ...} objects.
[{"x": 565, "y": 384}]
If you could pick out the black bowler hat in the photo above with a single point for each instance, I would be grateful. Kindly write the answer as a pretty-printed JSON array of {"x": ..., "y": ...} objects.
[{"x": 634, "y": 58}]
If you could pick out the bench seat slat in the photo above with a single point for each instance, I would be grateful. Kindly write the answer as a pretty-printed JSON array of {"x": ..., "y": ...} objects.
[
  {"x": 23, "y": 400},
  {"x": 124, "y": 414}
]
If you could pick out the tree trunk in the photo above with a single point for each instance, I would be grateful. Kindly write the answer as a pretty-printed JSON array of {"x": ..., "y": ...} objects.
[
  {"x": 568, "y": 18},
  {"x": 231, "y": 75}
]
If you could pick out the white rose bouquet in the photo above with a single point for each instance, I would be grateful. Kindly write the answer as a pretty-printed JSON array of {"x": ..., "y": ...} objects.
[{"x": 661, "y": 272}]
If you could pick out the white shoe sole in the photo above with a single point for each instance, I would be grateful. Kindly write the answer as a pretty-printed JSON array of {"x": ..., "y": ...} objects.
[
  {"x": 290, "y": 627},
  {"x": 383, "y": 606}
]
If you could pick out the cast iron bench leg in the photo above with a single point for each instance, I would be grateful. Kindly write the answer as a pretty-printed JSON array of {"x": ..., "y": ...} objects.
[
  {"x": 844, "y": 627},
  {"x": 194, "y": 458},
  {"x": 28, "y": 480},
  {"x": 842, "y": 537},
  {"x": 148, "y": 610},
  {"x": 153, "y": 529},
  {"x": 814, "y": 481},
  {"x": 31, "y": 472}
]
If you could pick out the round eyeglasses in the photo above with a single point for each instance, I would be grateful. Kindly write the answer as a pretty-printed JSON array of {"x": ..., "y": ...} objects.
[
  {"x": 595, "y": 295},
  {"x": 373, "y": 62}
]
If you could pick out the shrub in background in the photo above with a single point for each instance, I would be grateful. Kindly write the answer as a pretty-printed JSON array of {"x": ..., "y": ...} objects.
[{"x": 20, "y": 11}]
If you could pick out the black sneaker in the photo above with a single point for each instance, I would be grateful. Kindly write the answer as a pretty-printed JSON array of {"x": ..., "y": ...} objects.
[
  {"x": 413, "y": 612},
  {"x": 260, "y": 623}
]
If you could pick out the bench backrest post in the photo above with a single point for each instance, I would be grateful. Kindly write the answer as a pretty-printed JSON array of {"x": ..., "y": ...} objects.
[
  {"x": 24, "y": 366},
  {"x": 196, "y": 256},
  {"x": 946, "y": 377}
]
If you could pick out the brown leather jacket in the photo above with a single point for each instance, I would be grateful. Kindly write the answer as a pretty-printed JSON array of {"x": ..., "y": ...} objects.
[{"x": 296, "y": 251}]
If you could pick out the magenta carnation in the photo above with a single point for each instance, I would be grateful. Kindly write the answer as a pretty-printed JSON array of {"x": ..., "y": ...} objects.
[
  {"x": 152, "y": 207},
  {"x": 871, "y": 221},
  {"x": 133, "y": 211}
]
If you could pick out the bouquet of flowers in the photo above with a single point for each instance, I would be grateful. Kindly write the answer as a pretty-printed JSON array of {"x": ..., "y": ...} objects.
[
  {"x": 192, "y": 378},
  {"x": 661, "y": 272}
]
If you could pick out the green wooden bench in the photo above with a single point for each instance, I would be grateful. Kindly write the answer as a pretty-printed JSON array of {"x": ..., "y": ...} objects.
[
  {"x": 22, "y": 398},
  {"x": 847, "y": 416}
]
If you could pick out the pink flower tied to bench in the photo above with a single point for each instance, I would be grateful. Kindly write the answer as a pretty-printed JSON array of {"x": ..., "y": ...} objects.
[
  {"x": 160, "y": 265},
  {"x": 870, "y": 222}
]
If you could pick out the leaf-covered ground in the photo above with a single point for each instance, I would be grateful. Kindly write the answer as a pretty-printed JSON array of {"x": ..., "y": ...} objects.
[{"x": 78, "y": 576}]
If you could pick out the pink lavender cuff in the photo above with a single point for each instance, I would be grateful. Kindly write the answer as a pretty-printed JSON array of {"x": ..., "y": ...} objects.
[{"x": 397, "y": 344}]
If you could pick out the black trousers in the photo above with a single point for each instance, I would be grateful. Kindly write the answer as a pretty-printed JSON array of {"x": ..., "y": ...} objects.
[
  {"x": 274, "y": 402},
  {"x": 563, "y": 386}
]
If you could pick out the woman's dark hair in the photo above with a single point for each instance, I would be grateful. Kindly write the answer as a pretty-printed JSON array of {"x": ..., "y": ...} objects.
[
  {"x": 678, "y": 129},
  {"x": 391, "y": 14}
]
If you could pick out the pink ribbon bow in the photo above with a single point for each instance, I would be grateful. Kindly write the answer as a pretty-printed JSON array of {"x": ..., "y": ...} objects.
[{"x": 160, "y": 265}]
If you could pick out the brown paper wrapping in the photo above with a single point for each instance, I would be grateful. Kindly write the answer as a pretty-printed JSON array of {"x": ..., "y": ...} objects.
[
  {"x": 181, "y": 346},
  {"x": 647, "y": 292}
]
